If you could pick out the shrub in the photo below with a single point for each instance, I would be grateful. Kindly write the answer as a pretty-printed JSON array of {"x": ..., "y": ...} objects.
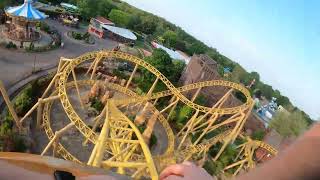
[
  {"x": 119, "y": 74},
  {"x": 11, "y": 45},
  {"x": 22, "y": 103},
  {"x": 76, "y": 35},
  {"x": 153, "y": 140},
  {"x": 19, "y": 145},
  {"x": 258, "y": 135},
  {"x": 97, "y": 104},
  {"x": 45, "y": 27},
  {"x": 27, "y": 97},
  {"x": 184, "y": 114},
  {"x": 86, "y": 35}
]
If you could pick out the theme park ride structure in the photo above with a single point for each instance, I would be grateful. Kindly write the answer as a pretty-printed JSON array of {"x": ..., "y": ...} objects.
[
  {"x": 120, "y": 146},
  {"x": 22, "y": 21}
]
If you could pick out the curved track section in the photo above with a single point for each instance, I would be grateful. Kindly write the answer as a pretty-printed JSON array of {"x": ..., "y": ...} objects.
[{"x": 124, "y": 149}]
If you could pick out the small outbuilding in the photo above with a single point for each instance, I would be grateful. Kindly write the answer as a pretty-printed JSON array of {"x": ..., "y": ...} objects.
[{"x": 102, "y": 27}]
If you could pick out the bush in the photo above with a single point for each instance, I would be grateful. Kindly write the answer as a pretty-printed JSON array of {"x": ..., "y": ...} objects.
[
  {"x": 97, "y": 104},
  {"x": 6, "y": 124},
  {"x": 86, "y": 35},
  {"x": 153, "y": 140},
  {"x": 11, "y": 45},
  {"x": 22, "y": 103},
  {"x": 119, "y": 74},
  {"x": 76, "y": 35},
  {"x": 289, "y": 125},
  {"x": 258, "y": 135},
  {"x": 45, "y": 27},
  {"x": 10, "y": 140},
  {"x": 184, "y": 114},
  {"x": 19, "y": 145}
]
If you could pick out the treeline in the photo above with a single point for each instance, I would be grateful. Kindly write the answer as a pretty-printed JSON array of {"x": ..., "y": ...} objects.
[{"x": 152, "y": 27}]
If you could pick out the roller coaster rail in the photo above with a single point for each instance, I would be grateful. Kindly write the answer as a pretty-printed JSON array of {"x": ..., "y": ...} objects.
[{"x": 120, "y": 146}]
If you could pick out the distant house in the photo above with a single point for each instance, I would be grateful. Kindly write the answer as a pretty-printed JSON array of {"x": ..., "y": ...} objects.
[
  {"x": 203, "y": 68},
  {"x": 104, "y": 21},
  {"x": 146, "y": 53}
]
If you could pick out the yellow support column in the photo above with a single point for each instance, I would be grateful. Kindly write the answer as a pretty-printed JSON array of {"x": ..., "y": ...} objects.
[
  {"x": 227, "y": 141},
  {"x": 152, "y": 87},
  {"x": 97, "y": 60},
  {"x": 196, "y": 95},
  {"x": 57, "y": 135},
  {"x": 131, "y": 76},
  {"x": 10, "y": 106},
  {"x": 102, "y": 140},
  {"x": 39, "y": 112},
  {"x": 77, "y": 87},
  {"x": 193, "y": 118}
]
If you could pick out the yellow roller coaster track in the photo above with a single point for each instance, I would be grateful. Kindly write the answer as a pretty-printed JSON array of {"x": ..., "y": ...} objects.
[{"x": 120, "y": 146}]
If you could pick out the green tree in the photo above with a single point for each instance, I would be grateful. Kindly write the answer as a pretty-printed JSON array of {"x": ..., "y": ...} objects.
[
  {"x": 258, "y": 135},
  {"x": 266, "y": 90},
  {"x": 238, "y": 73},
  {"x": 289, "y": 124},
  {"x": 148, "y": 25},
  {"x": 254, "y": 75},
  {"x": 184, "y": 114},
  {"x": 88, "y": 8},
  {"x": 176, "y": 71},
  {"x": 197, "y": 48},
  {"x": 161, "y": 61},
  {"x": 119, "y": 17},
  {"x": 22, "y": 103},
  {"x": 134, "y": 22},
  {"x": 226, "y": 158},
  {"x": 170, "y": 38},
  {"x": 105, "y": 8},
  {"x": 257, "y": 93},
  {"x": 5, "y": 3},
  {"x": 181, "y": 45}
]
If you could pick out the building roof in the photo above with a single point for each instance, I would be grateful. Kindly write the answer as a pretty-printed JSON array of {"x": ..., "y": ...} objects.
[
  {"x": 173, "y": 54},
  {"x": 104, "y": 21},
  {"x": 146, "y": 53},
  {"x": 206, "y": 59},
  {"x": 67, "y": 5},
  {"x": 227, "y": 70},
  {"x": 27, "y": 11},
  {"x": 126, "y": 33}
]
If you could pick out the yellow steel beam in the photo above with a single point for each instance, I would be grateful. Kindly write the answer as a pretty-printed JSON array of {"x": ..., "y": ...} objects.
[{"x": 10, "y": 106}]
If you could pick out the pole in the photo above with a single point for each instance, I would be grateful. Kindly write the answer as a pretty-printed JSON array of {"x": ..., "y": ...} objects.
[{"x": 10, "y": 106}]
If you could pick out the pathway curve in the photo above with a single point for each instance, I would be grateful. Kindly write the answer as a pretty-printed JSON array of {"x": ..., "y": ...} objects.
[{"x": 15, "y": 65}]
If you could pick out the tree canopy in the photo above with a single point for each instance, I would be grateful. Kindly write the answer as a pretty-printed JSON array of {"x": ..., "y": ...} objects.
[
  {"x": 288, "y": 125},
  {"x": 170, "y": 38},
  {"x": 119, "y": 17},
  {"x": 172, "y": 69}
]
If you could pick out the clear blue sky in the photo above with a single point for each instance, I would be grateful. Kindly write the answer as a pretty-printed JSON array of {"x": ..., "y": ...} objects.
[{"x": 280, "y": 39}]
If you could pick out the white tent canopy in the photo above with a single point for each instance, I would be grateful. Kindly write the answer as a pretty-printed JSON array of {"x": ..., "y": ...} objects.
[{"x": 27, "y": 11}]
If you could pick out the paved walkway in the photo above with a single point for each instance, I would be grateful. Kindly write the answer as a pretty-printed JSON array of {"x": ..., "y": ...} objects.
[{"x": 15, "y": 65}]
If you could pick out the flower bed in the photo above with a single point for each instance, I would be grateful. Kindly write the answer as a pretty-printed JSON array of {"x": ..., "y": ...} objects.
[{"x": 83, "y": 37}]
